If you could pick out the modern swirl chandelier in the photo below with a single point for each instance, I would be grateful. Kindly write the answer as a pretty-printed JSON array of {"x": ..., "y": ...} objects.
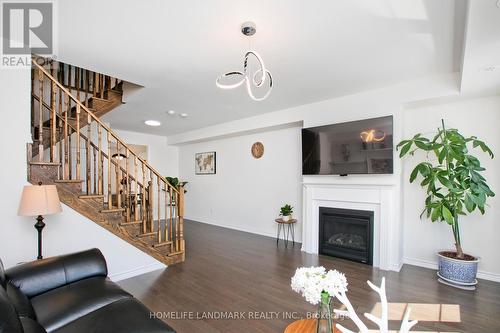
[{"x": 252, "y": 80}]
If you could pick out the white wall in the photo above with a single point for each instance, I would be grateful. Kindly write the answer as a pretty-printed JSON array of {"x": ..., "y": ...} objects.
[
  {"x": 210, "y": 200},
  {"x": 245, "y": 193},
  {"x": 64, "y": 233},
  {"x": 480, "y": 234},
  {"x": 71, "y": 232},
  {"x": 222, "y": 199}
]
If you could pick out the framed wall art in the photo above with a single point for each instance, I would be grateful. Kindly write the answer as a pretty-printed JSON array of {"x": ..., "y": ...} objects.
[{"x": 205, "y": 163}]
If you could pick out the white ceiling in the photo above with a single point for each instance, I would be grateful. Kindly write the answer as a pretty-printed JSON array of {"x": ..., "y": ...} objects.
[{"x": 315, "y": 50}]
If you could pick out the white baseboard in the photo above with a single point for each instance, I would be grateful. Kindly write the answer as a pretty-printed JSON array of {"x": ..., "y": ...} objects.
[
  {"x": 255, "y": 232},
  {"x": 397, "y": 267},
  {"x": 433, "y": 265},
  {"x": 136, "y": 271},
  {"x": 421, "y": 263}
]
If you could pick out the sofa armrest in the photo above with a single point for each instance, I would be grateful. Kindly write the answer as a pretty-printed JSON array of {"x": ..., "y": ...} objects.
[
  {"x": 40, "y": 276},
  {"x": 31, "y": 326}
]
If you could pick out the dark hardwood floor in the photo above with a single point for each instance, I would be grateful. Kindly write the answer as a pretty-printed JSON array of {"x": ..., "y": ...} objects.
[{"x": 232, "y": 271}]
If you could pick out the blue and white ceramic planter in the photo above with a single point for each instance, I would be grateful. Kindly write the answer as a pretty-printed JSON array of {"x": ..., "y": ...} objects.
[{"x": 459, "y": 271}]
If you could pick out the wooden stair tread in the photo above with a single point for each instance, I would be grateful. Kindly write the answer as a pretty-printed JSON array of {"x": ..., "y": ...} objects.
[
  {"x": 148, "y": 234},
  {"x": 91, "y": 196},
  {"x": 130, "y": 223},
  {"x": 44, "y": 127},
  {"x": 112, "y": 210},
  {"x": 100, "y": 99},
  {"x": 114, "y": 91},
  {"x": 45, "y": 163},
  {"x": 171, "y": 254},
  {"x": 68, "y": 181},
  {"x": 70, "y": 118},
  {"x": 163, "y": 244}
]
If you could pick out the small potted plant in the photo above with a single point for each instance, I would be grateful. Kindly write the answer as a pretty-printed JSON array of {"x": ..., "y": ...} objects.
[
  {"x": 286, "y": 212},
  {"x": 175, "y": 183},
  {"x": 454, "y": 187}
]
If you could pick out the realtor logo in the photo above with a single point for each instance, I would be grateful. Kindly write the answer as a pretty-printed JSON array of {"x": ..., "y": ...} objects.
[{"x": 27, "y": 28}]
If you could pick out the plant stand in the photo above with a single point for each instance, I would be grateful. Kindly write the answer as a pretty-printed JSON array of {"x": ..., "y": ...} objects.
[
  {"x": 288, "y": 228},
  {"x": 305, "y": 326}
]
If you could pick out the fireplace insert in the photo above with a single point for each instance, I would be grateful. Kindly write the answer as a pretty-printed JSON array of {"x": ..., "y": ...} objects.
[{"x": 346, "y": 233}]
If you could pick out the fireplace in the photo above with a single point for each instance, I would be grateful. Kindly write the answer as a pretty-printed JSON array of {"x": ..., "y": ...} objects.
[{"x": 346, "y": 233}]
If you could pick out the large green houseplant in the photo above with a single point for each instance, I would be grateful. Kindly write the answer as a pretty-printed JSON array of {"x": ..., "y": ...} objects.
[{"x": 452, "y": 180}]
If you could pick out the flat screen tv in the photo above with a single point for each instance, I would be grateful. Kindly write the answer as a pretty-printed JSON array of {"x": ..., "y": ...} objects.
[{"x": 356, "y": 147}]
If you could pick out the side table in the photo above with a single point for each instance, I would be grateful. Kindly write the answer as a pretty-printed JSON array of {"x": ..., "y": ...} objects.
[
  {"x": 288, "y": 228},
  {"x": 305, "y": 326}
]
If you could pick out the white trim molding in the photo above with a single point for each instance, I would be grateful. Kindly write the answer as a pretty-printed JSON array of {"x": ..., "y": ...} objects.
[
  {"x": 495, "y": 277},
  {"x": 232, "y": 227},
  {"x": 137, "y": 271}
]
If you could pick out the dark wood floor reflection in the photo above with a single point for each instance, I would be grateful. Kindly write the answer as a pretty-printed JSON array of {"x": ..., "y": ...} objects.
[{"x": 228, "y": 271}]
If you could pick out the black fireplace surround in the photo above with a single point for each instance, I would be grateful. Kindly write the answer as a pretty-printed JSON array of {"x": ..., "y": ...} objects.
[{"x": 346, "y": 233}]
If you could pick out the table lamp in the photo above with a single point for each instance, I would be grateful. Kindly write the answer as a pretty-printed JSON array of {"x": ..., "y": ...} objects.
[{"x": 38, "y": 200}]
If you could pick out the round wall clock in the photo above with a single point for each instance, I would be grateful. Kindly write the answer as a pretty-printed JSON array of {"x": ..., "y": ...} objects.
[{"x": 257, "y": 150}]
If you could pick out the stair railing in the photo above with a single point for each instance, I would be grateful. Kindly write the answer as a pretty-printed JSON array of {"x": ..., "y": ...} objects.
[
  {"x": 82, "y": 82},
  {"x": 81, "y": 145}
]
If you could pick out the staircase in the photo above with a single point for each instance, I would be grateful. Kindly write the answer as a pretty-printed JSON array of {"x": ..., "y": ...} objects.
[{"x": 72, "y": 149}]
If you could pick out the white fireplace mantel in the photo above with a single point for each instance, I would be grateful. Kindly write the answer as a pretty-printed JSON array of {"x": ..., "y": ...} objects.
[{"x": 379, "y": 198}]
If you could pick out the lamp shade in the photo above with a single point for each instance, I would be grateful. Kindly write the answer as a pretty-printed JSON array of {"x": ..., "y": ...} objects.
[{"x": 39, "y": 200}]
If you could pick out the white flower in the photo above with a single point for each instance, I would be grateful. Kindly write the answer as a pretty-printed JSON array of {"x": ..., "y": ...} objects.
[
  {"x": 335, "y": 282},
  {"x": 311, "y": 281}
]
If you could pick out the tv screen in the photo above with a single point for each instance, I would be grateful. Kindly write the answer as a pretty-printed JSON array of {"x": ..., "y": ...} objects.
[{"x": 356, "y": 147}]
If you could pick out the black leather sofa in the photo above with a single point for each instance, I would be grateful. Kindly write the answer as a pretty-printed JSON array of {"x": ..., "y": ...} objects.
[{"x": 70, "y": 294}]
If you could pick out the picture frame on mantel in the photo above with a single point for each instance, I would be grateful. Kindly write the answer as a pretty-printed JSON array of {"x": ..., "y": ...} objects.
[{"x": 205, "y": 163}]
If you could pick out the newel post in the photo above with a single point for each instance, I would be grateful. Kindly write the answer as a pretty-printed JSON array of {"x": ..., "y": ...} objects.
[{"x": 181, "y": 221}]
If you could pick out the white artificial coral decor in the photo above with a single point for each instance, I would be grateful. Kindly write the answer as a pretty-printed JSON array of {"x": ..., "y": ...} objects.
[{"x": 310, "y": 282}]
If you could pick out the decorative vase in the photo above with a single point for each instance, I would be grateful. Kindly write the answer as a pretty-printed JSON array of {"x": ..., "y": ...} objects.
[
  {"x": 285, "y": 218},
  {"x": 324, "y": 315},
  {"x": 462, "y": 272}
]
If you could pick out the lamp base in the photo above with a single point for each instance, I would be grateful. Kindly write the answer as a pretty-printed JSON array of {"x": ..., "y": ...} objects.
[{"x": 39, "y": 225}]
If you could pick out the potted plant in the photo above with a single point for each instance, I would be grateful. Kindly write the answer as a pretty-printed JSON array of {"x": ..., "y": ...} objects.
[
  {"x": 174, "y": 181},
  {"x": 454, "y": 187},
  {"x": 286, "y": 212}
]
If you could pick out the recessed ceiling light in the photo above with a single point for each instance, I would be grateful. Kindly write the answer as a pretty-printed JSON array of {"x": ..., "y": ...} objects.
[
  {"x": 183, "y": 115},
  {"x": 152, "y": 123},
  {"x": 171, "y": 112}
]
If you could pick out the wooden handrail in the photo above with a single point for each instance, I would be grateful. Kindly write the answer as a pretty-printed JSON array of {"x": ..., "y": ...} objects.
[
  {"x": 83, "y": 107},
  {"x": 85, "y": 138},
  {"x": 128, "y": 191}
]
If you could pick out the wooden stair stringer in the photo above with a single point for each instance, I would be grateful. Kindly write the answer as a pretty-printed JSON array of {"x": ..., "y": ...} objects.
[{"x": 69, "y": 195}]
